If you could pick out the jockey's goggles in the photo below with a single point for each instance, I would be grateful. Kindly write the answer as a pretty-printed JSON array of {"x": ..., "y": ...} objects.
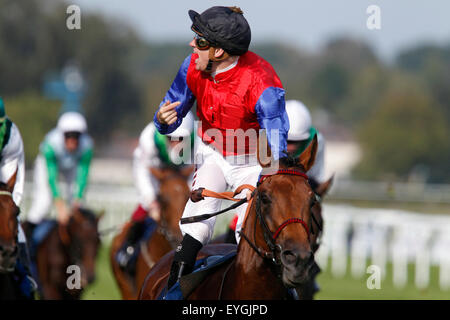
[
  {"x": 201, "y": 43},
  {"x": 72, "y": 134}
]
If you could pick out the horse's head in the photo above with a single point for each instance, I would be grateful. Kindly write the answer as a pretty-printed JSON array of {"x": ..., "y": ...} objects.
[
  {"x": 8, "y": 226},
  {"x": 173, "y": 193},
  {"x": 84, "y": 242},
  {"x": 282, "y": 207}
]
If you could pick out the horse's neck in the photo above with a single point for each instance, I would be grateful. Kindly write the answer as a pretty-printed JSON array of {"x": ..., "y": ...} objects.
[{"x": 258, "y": 275}]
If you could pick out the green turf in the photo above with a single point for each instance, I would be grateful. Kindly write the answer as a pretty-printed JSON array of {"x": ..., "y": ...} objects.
[
  {"x": 334, "y": 288},
  {"x": 105, "y": 287}
]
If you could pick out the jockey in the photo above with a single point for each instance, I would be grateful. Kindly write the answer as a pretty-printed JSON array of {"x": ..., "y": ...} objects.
[
  {"x": 153, "y": 151},
  {"x": 301, "y": 133},
  {"x": 66, "y": 151},
  {"x": 12, "y": 159},
  {"x": 237, "y": 93}
]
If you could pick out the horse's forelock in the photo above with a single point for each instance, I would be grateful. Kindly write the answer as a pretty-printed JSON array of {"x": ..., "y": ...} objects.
[{"x": 291, "y": 162}]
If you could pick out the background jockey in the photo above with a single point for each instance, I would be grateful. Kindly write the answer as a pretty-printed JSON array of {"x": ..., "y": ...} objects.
[
  {"x": 12, "y": 159},
  {"x": 65, "y": 152},
  {"x": 236, "y": 91},
  {"x": 301, "y": 132},
  {"x": 153, "y": 151}
]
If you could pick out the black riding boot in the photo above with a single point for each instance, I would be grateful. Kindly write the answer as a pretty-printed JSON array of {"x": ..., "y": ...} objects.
[
  {"x": 126, "y": 252},
  {"x": 184, "y": 259}
]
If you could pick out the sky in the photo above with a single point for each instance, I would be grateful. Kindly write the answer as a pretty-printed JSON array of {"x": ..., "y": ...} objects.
[{"x": 304, "y": 24}]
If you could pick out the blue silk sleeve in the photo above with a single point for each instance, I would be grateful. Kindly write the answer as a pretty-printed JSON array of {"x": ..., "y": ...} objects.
[
  {"x": 271, "y": 114},
  {"x": 179, "y": 91}
]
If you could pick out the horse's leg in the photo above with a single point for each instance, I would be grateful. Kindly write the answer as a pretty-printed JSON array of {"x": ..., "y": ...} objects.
[{"x": 123, "y": 280}]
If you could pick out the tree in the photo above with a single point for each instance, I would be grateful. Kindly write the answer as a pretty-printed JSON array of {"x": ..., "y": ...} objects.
[
  {"x": 406, "y": 131},
  {"x": 34, "y": 115}
]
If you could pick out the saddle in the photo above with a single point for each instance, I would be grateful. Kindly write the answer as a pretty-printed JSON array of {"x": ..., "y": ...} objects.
[{"x": 202, "y": 269}]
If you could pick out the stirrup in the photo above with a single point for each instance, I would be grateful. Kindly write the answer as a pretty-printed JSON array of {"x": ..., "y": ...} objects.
[
  {"x": 124, "y": 256},
  {"x": 181, "y": 267},
  {"x": 176, "y": 274}
]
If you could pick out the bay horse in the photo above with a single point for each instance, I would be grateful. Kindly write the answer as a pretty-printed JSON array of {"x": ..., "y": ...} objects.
[
  {"x": 65, "y": 260},
  {"x": 9, "y": 287},
  {"x": 268, "y": 264},
  {"x": 172, "y": 197}
]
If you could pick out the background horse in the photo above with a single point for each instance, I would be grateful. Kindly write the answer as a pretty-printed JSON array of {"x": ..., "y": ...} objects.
[
  {"x": 172, "y": 197},
  {"x": 274, "y": 253},
  {"x": 73, "y": 245},
  {"x": 8, "y": 242}
]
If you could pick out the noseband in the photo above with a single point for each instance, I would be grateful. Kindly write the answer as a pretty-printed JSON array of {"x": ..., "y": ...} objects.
[{"x": 269, "y": 236}]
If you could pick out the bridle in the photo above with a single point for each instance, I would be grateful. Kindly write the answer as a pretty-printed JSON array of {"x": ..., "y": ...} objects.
[{"x": 269, "y": 236}]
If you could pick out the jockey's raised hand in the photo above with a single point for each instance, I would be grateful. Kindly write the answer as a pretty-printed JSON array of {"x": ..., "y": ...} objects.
[{"x": 167, "y": 113}]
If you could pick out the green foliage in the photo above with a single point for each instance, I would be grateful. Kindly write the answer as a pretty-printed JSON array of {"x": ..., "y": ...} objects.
[
  {"x": 405, "y": 133},
  {"x": 34, "y": 115}
]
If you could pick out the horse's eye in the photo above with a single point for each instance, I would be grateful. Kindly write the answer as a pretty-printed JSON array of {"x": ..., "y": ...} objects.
[{"x": 265, "y": 199}]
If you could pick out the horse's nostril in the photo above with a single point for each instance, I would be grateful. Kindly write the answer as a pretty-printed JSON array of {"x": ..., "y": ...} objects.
[
  {"x": 292, "y": 257},
  {"x": 289, "y": 257}
]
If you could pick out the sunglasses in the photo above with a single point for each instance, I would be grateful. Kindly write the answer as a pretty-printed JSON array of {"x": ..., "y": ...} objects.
[
  {"x": 72, "y": 134},
  {"x": 201, "y": 43}
]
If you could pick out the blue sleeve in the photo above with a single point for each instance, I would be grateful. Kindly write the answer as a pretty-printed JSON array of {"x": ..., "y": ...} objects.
[
  {"x": 271, "y": 113},
  {"x": 179, "y": 91}
]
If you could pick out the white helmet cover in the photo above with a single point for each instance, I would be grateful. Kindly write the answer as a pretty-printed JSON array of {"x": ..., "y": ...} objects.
[
  {"x": 186, "y": 127},
  {"x": 72, "y": 121},
  {"x": 299, "y": 120}
]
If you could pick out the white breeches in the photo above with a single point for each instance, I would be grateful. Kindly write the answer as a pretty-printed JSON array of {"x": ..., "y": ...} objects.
[{"x": 217, "y": 174}]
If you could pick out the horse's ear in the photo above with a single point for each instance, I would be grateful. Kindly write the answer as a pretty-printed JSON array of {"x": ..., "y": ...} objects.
[
  {"x": 12, "y": 181},
  {"x": 158, "y": 173},
  {"x": 187, "y": 171},
  {"x": 264, "y": 154},
  {"x": 308, "y": 156},
  {"x": 100, "y": 214},
  {"x": 323, "y": 188}
]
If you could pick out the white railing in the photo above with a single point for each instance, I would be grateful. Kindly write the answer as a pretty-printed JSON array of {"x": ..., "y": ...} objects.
[{"x": 381, "y": 236}]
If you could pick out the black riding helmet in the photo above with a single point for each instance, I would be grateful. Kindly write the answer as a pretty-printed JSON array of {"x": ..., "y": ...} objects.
[{"x": 223, "y": 27}]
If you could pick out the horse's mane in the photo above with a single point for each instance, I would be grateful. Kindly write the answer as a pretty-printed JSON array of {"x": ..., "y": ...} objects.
[{"x": 3, "y": 186}]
